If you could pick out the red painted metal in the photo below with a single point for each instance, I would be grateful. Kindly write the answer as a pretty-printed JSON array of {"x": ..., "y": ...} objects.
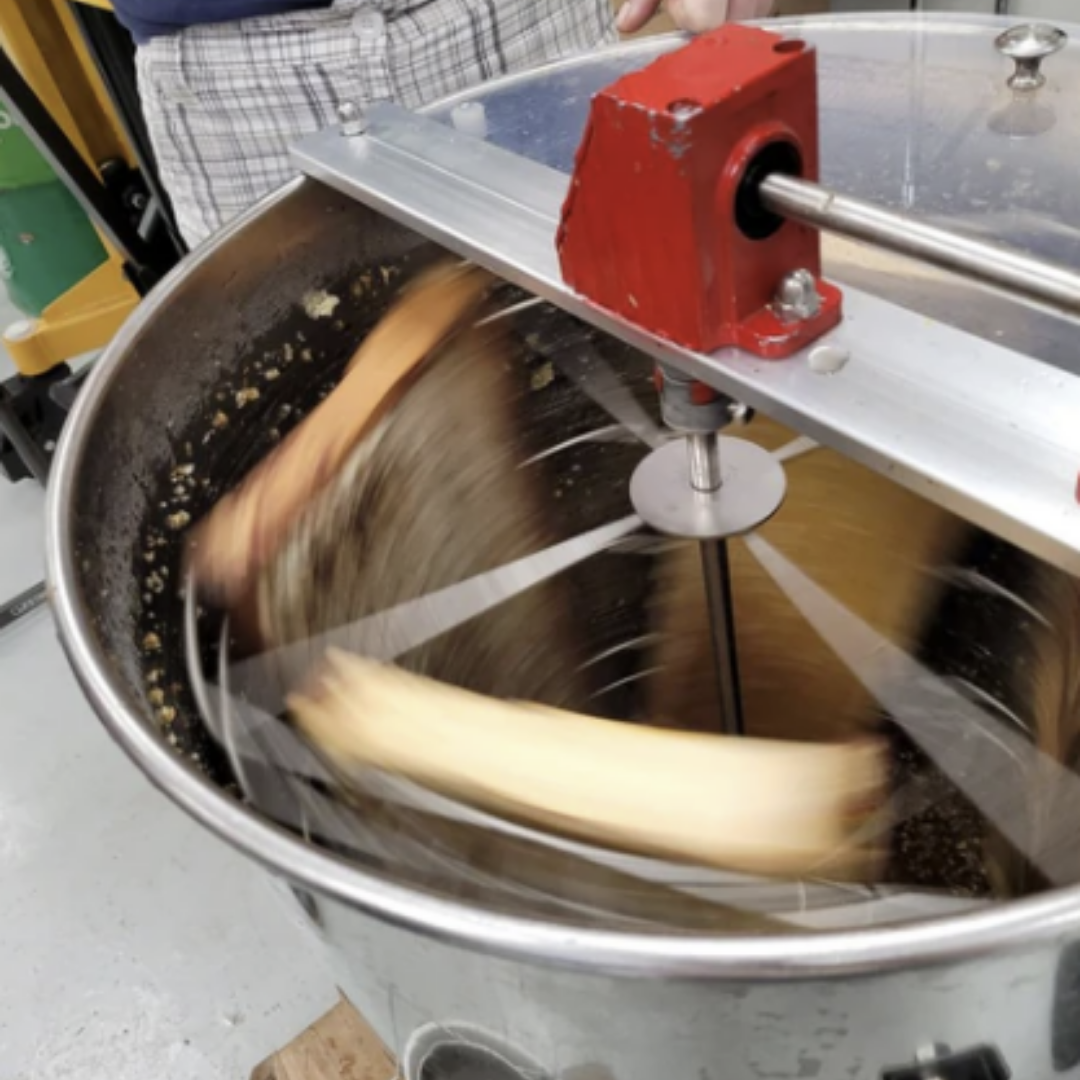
[
  {"x": 649, "y": 229},
  {"x": 702, "y": 394}
]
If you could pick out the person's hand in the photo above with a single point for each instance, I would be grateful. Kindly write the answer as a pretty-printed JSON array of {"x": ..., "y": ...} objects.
[{"x": 694, "y": 16}]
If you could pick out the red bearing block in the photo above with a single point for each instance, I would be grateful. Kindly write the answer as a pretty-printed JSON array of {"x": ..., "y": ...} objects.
[{"x": 661, "y": 225}]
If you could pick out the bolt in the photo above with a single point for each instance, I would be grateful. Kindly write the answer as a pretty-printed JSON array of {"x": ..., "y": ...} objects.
[
  {"x": 351, "y": 117},
  {"x": 740, "y": 412},
  {"x": 470, "y": 117},
  {"x": 827, "y": 359},
  {"x": 797, "y": 298}
]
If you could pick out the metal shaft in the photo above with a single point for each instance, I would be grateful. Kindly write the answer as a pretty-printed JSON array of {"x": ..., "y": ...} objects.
[
  {"x": 704, "y": 454},
  {"x": 980, "y": 260},
  {"x": 717, "y": 574},
  {"x": 703, "y": 451}
]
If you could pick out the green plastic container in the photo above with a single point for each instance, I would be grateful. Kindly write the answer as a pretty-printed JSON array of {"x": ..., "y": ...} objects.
[
  {"x": 20, "y": 163},
  {"x": 47, "y": 243}
]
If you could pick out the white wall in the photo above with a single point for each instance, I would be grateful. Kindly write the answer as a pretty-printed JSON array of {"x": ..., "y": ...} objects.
[{"x": 1068, "y": 10}]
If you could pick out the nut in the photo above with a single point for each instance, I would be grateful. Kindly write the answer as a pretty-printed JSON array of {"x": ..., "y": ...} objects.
[
  {"x": 797, "y": 297},
  {"x": 352, "y": 119}
]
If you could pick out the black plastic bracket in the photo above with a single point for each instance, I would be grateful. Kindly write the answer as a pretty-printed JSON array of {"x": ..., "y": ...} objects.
[
  {"x": 980, "y": 1063},
  {"x": 33, "y": 411},
  {"x": 21, "y": 606},
  {"x": 30, "y": 424}
]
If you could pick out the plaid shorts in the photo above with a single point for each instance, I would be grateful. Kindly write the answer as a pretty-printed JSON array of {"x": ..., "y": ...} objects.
[{"x": 224, "y": 103}]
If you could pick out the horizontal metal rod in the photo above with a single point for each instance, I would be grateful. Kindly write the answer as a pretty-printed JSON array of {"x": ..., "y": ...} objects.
[{"x": 1021, "y": 275}]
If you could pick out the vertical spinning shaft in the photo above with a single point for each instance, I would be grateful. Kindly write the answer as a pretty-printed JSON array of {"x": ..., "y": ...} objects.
[
  {"x": 680, "y": 490},
  {"x": 705, "y": 476}
]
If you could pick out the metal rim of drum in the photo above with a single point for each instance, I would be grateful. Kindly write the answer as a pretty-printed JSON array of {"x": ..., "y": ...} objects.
[{"x": 1042, "y": 918}]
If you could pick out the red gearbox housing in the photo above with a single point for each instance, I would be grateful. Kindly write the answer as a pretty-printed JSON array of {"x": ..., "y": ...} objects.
[{"x": 663, "y": 224}]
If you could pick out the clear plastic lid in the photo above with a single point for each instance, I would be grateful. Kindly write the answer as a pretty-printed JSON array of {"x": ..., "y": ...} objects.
[{"x": 919, "y": 113}]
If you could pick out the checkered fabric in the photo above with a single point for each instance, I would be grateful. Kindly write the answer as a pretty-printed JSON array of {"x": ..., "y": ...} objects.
[{"x": 224, "y": 103}]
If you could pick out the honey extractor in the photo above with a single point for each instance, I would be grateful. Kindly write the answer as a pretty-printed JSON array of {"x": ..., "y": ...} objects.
[{"x": 922, "y": 426}]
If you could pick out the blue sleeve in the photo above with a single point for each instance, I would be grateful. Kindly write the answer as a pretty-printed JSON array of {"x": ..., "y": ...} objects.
[{"x": 150, "y": 18}]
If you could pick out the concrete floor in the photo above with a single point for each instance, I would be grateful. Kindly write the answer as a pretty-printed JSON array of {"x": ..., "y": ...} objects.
[{"x": 134, "y": 944}]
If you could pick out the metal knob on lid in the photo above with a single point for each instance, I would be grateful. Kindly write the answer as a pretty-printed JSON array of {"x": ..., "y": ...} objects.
[{"x": 1028, "y": 46}]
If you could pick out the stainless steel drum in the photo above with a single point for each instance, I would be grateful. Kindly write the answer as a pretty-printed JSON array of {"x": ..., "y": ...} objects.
[{"x": 970, "y": 968}]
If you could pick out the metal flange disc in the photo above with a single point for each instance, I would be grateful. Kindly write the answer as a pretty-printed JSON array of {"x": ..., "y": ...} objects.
[{"x": 752, "y": 489}]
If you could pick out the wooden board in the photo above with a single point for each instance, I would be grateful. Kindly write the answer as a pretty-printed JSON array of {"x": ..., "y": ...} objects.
[{"x": 339, "y": 1046}]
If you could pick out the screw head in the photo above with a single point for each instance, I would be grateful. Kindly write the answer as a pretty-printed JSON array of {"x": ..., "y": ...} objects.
[
  {"x": 828, "y": 359},
  {"x": 470, "y": 118},
  {"x": 351, "y": 118}
]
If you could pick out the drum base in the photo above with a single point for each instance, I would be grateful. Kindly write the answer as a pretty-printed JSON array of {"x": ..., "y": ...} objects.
[{"x": 480, "y": 1017}]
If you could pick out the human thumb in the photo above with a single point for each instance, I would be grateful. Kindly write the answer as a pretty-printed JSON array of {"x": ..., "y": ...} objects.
[
  {"x": 634, "y": 14},
  {"x": 750, "y": 9}
]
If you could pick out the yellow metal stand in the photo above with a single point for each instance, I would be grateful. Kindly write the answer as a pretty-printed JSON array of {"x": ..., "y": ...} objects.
[
  {"x": 83, "y": 319},
  {"x": 43, "y": 41}
]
